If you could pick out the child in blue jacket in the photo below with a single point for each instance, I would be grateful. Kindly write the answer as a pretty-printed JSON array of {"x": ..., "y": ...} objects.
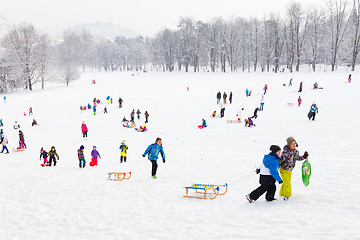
[
  {"x": 153, "y": 151},
  {"x": 268, "y": 176}
]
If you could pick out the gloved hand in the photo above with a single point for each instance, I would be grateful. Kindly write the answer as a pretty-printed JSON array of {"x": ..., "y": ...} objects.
[
  {"x": 306, "y": 154},
  {"x": 163, "y": 160},
  {"x": 257, "y": 170},
  {"x": 143, "y": 155},
  {"x": 281, "y": 182}
]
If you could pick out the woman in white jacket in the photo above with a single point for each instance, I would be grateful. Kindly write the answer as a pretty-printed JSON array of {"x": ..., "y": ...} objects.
[
  {"x": 4, "y": 141},
  {"x": 262, "y": 101}
]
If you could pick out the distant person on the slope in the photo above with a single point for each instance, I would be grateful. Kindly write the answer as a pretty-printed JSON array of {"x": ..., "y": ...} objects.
[
  {"x": 89, "y": 106},
  {"x": 349, "y": 79},
  {"x": 53, "y": 156},
  {"x": 203, "y": 125},
  {"x": 30, "y": 111},
  {"x": 34, "y": 123},
  {"x": 218, "y": 97},
  {"x": 224, "y": 97},
  {"x": 249, "y": 122},
  {"x": 1, "y": 123},
  {"x": 146, "y": 117},
  {"x": 4, "y": 141},
  {"x": 105, "y": 110},
  {"x": 248, "y": 93},
  {"x": 123, "y": 154},
  {"x": 213, "y": 114},
  {"x": 81, "y": 157},
  {"x": 94, "y": 109},
  {"x": 222, "y": 110},
  {"x": 239, "y": 114},
  {"x": 316, "y": 85},
  {"x": 255, "y": 113},
  {"x": 111, "y": 100},
  {"x": 44, "y": 155},
  {"x": 299, "y": 101},
  {"x": 138, "y": 114},
  {"x": 301, "y": 87},
  {"x": 16, "y": 125},
  {"x": 287, "y": 163},
  {"x": 262, "y": 102},
  {"x": 21, "y": 139},
  {"x": 132, "y": 115},
  {"x": 124, "y": 120},
  {"x": 4, "y": 99},
  {"x": 84, "y": 129},
  {"x": 120, "y": 102},
  {"x": 94, "y": 157},
  {"x": 268, "y": 176},
  {"x": 313, "y": 111},
  {"x": 153, "y": 151},
  {"x": 265, "y": 88},
  {"x": 230, "y": 97},
  {"x": 108, "y": 99},
  {"x": 290, "y": 82}
]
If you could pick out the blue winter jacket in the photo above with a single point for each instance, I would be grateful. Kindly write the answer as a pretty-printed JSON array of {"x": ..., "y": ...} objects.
[
  {"x": 271, "y": 162},
  {"x": 204, "y": 124},
  {"x": 153, "y": 150}
]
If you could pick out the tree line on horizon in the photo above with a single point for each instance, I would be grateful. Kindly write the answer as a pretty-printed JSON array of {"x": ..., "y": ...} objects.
[{"x": 329, "y": 36}]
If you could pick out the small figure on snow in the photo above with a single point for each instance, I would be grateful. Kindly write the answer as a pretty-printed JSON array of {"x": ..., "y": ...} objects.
[
  {"x": 224, "y": 97},
  {"x": 4, "y": 99},
  {"x": 16, "y": 125},
  {"x": 290, "y": 82},
  {"x": 203, "y": 125},
  {"x": 132, "y": 115},
  {"x": 265, "y": 88},
  {"x": 34, "y": 123},
  {"x": 53, "y": 154},
  {"x": 120, "y": 102},
  {"x": 222, "y": 110},
  {"x": 1, "y": 123},
  {"x": 105, "y": 110},
  {"x": 30, "y": 111},
  {"x": 248, "y": 93},
  {"x": 138, "y": 114},
  {"x": 218, "y": 97},
  {"x": 349, "y": 79},
  {"x": 262, "y": 102},
  {"x": 153, "y": 151},
  {"x": 299, "y": 101},
  {"x": 239, "y": 114},
  {"x": 268, "y": 176},
  {"x": 230, "y": 97},
  {"x": 108, "y": 99},
  {"x": 255, "y": 113},
  {"x": 146, "y": 117},
  {"x": 94, "y": 157},
  {"x": 301, "y": 87},
  {"x": 123, "y": 154},
  {"x": 287, "y": 163},
  {"x": 44, "y": 155},
  {"x": 249, "y": 122},
  {"x": 81, "y": 157},
  {"x": 4, "y": 141},
  {"x": 316, "y": 85},
  {"x": 22, "y": 144},
  {"x": 313, "y": 111},
  {"x": 94, "y": 109},
  {"x": 213, "y": 114},
  {"x": 84, "y": 129}
]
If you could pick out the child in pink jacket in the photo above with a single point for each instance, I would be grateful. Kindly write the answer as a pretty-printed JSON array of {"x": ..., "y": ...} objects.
[{"x": 84, "y": 129}]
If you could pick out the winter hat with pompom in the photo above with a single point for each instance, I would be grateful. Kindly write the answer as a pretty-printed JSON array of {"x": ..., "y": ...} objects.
[
  {"x": 275, "y": 148},
  {"x": 289, "y": 140}
]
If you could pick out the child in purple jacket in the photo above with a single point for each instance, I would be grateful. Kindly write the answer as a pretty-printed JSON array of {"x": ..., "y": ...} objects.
[{"x": 94, "y": 156}]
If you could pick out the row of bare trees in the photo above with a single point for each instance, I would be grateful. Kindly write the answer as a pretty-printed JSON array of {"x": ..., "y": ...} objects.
[{"x": 328, "y": 36}]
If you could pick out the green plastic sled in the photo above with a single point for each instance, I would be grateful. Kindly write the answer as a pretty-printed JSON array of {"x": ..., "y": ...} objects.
[{"x": 306, "y": 172}]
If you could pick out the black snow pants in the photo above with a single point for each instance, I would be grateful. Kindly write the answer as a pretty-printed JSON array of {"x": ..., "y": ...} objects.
[
  {"x": 267, "y": 185},
  {"x": 154, "y": 167},
  {"x": 51, "y": 159}
]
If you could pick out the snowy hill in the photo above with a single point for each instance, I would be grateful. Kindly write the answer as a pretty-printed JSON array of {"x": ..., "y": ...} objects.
[{"x": 65, "y": 202}]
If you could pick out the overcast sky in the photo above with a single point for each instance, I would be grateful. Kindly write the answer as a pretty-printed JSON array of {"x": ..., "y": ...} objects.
[{"x": 146, "y": 17}]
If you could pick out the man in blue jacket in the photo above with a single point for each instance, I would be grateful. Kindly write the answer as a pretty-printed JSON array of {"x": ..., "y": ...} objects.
[
  {"x": 268, "y": 176},
  {"x": 153, "y": 150}
]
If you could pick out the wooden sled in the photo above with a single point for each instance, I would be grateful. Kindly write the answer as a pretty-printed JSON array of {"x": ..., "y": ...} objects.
[
  {"x": 290, "y": 104},
  {"x": 233, "y": 121},
  {"x": 18, "y": 150},
  {"x": 206, "y": 191},
  {"x": 118, "y": 176}
]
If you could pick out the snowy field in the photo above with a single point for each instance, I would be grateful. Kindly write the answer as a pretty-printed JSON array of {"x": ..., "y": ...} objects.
[{"x": 65, "y": 202}]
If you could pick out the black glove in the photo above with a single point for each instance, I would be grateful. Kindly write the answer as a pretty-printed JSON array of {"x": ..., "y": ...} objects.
[
  {"x": 163, "y": 160},
  {"x": 257, "y": 170},
  {"x": 281, "y": 182},
  {"x": 143, "y": 155},
  {"x": 306, "y": 154}
]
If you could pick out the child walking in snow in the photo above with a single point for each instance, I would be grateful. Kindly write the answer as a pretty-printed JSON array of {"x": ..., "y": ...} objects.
[
  {"x": 268, "y": 176},
  {"x": 138, "y": 114},
  {"x": 94, "y": 157},
  {"x": 81, "y": 157},
  {"x": 287, "y": 163},
  {"x": 299, "y": 101},
  {"x": 44, "y": 155},
  {"x": 53, "y": 154},
  {"x": 84, "y": 129},
  {"x": 153, "y": 151},
  {"x": 123, "y": 154},
  {"x": 4, "y": 141},
  {"x": 146, "y": 117}
]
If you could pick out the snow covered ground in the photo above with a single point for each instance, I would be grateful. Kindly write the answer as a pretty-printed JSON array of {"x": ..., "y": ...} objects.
[{"x": 65, "y": 202}]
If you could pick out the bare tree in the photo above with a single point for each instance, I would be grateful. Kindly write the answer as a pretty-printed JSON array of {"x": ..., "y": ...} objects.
[
  {"x": 355, "y": 23},
  {"x": 316, "y": 34},
  {"x": 338, "y": 24}
]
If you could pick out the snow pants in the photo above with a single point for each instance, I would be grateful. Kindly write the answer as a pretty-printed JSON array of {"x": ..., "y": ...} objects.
[
  {"x": 299, "y": 103},
  {"x": 122, "y": 159},
  {"x": 84, "y": 134},
  {"x": 267, "y": 185},
  {"x": 52, "y": 158},
  {"x": 261, "y": 106},
  {"x": 154, "y": 167},
  {"x": 5, "y": 148},
  {"x": 82, "y": 163},
  {"x": 285, "y": 189}
]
